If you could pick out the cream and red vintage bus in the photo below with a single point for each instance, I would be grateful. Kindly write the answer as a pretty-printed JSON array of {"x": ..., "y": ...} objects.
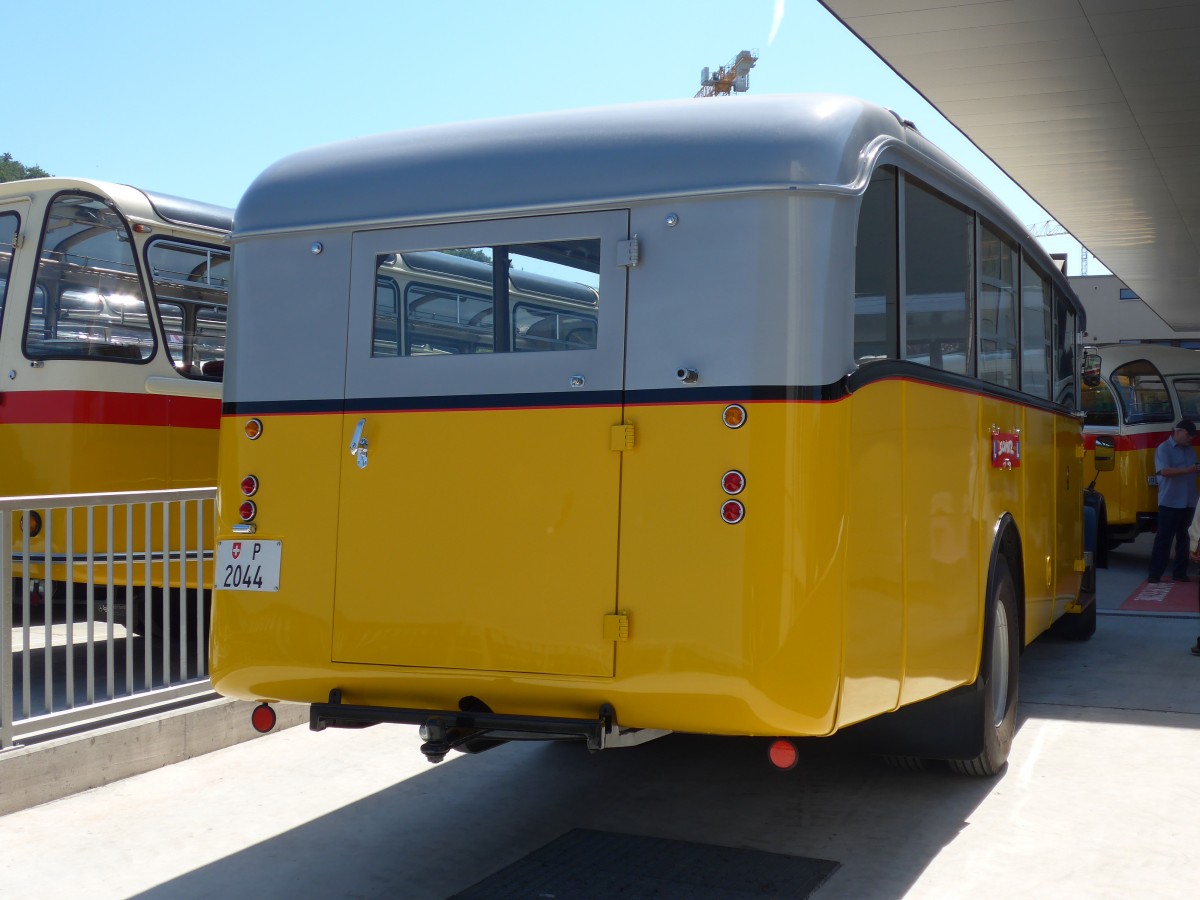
[
  {"x": 112, "y": 342},
  {"x": 1132, "y": 397},
  {"x": 813, "y": 464}
]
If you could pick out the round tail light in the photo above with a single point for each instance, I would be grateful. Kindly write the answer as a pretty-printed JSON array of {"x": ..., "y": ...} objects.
[
  {"x": 249, "y": 485},
  {"x": 247, "y": 511},
  {"x": 733, "y": 482},
  {"x": 732, "y": 511}
]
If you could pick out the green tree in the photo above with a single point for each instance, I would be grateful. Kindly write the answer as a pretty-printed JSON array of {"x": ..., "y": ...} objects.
[{"x": 11, "y": 170}]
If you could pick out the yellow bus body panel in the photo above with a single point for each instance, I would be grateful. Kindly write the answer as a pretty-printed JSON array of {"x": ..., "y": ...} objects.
[
  {"x": 855, "y": 583},
  {"x": 479, "y": 540}
]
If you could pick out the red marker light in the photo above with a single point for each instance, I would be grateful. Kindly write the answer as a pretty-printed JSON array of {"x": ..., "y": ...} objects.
[
  {"x": 733, "y": 482},
  {"x": 783, "y": 754},
  {"x": 247, "y": 511},
  {"x": 262, "y": 718},
  {"x": 732, "y": 511},
  {"x": 249, "y": 485}
]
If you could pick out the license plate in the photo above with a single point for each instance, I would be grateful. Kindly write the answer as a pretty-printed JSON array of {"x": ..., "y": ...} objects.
[{"x": 248, "y": 565}]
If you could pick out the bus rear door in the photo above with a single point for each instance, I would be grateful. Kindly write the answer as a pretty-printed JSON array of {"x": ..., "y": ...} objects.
[{"x": 478, "y": 515}]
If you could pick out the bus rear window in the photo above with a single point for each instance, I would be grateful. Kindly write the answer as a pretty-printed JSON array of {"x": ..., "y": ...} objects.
[{"x": 453, "y": 302}]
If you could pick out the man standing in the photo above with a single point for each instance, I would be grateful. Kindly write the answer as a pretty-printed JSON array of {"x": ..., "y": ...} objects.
[{"x": 1175, "y": 465}]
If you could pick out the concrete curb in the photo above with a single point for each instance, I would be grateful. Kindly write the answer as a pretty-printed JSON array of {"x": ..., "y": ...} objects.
[{"x": 40, "y": 773}]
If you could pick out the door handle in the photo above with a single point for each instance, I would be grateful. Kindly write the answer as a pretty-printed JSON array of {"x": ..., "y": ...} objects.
[{"x": 358, "y": 445}]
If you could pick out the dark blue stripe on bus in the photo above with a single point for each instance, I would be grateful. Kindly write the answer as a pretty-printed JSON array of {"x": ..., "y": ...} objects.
[
  {"x": 884, "y": 370},
  {"x": 668, "y": 396}
]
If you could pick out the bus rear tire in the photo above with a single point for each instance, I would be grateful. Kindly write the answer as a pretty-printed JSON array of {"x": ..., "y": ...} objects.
[{"x": 995, "y": 710}]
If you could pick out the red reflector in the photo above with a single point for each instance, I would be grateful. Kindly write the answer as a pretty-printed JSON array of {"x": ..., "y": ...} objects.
[
  {"x": 247, "y": 511},
  {"x": 733, "y": 481},
  {"x": 783, "y": 754},
  {"x": 263, "y": 718},
  {"x": 732, "y": 511},
  {"x": 249, "y": 485}
]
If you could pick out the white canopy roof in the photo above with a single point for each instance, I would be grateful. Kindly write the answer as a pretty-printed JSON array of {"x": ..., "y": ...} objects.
[{"x": 1089, "y": 105}]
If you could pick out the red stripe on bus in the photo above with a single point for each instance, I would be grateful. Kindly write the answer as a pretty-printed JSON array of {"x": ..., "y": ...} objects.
[
  {"x": 1147, "y": 441},
  {"x": 107, "y": 408}
]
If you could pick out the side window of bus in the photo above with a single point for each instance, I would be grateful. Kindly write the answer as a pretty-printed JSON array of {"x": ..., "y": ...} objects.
[
  {"x": 997, "y": 308},
  {"x": 1099, "y": 405},
  {"x": 1066, "y": 372},
  {"x": 938, "y": 239},
  {"x": 1142, "y": 393},
  {"x": 1037, "y": 327},
  {"x": 8, "y": 237},
  {"x": 191, "y": 293},
  {"x": 1187, "y": 391},
  {"x": 876, "y": 293},
  {"x": 94, "y": 305},
  {"x": 457, "y": 301}
]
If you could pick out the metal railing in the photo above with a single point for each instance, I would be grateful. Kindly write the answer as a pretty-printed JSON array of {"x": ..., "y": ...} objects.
[{"x": 105, "y": 608}]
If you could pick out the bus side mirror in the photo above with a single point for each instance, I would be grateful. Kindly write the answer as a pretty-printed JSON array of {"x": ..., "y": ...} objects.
[{"x": 1106, "y": 453}]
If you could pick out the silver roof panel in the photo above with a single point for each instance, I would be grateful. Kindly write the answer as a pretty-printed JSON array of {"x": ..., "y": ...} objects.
[{"x": 575, "y": 158}]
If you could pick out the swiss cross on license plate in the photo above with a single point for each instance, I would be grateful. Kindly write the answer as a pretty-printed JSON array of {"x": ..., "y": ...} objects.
[{"x": 248, "y": 565}]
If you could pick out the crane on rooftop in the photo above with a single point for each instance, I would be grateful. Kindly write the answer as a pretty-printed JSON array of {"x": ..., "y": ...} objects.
[
  {"x": 733, "y": 77},
  {"x": 1049, "y": 228}
]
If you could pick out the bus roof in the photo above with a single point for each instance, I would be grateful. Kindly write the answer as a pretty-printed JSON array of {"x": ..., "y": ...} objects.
[
  {"x": 1167, "y": 359},
  {"x": 576, "y": 158},
  {"x": 601, "y": 157},
  {"x": 132, "y": 200}
]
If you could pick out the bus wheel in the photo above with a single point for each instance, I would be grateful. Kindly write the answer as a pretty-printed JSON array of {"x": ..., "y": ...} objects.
[{"x": 996, "y": 688}]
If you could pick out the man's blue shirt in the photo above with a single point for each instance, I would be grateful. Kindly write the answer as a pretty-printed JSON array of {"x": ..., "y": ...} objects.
[{"x": 1178, "y": 491}]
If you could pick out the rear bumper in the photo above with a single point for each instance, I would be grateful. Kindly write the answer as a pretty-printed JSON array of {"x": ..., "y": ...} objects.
[{"x": 445, "y": 730}]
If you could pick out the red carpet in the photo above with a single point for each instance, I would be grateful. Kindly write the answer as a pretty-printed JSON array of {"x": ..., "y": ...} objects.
[{"x": 1164, "y": 597}]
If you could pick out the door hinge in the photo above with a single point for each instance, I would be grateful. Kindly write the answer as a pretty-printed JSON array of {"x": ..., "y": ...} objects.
[
  {"x": 18, "y": 240},
  {"x": 616, "y": 627},
  {"x": 1081, "y": 565},
  {"x": 622, "y": 437},
  {"x": 1080, "y": 452},
  {"x": 628, "y": 252}
]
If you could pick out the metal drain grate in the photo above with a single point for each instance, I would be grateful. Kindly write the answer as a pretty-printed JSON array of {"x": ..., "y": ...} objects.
[{"x": 584, "y": 864}]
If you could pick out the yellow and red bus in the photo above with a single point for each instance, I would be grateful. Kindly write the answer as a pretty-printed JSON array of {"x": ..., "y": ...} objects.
[
  {"x": 814, "y": 465},
  {"x": 1132, "y": 397},
  {"x": 112, "y": 341}
]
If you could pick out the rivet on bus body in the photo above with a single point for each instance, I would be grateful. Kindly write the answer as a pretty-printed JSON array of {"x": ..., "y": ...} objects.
[
  {"x": 578, "y": 381},
  {"x": 12, "y": 374},
  {"x": 316, "y": 247},
  {"x": 672, "y": 220}
]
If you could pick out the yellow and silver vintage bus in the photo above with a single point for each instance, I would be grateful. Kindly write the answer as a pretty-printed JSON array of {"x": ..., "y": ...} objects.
[
  {"x": 1132, "y": 398},
  {"x": 800, "y": 452},
  {"x": 112, "y": 339}
]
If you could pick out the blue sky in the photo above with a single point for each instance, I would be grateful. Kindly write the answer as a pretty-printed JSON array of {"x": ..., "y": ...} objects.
[{"x": 197, "y": 99}]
